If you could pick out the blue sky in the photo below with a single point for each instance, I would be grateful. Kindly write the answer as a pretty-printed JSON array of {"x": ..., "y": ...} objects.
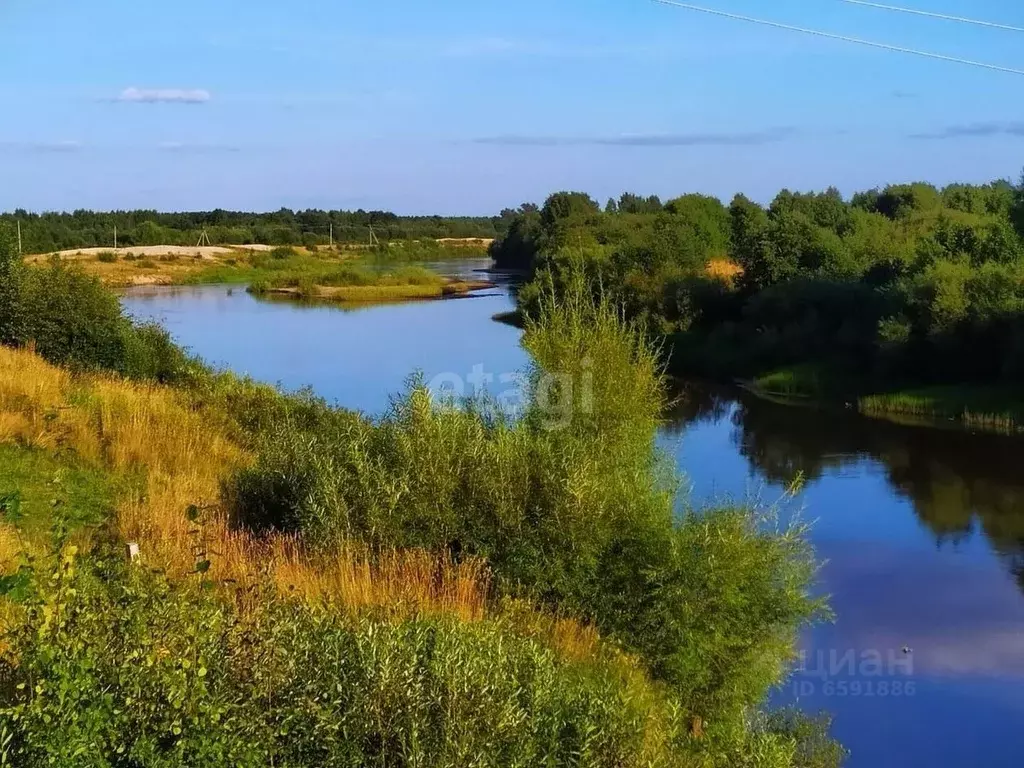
[{"x": 469, "y": 106}]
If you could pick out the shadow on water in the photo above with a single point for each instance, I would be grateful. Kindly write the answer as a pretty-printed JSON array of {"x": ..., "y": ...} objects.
[{"x": 960, "y": 484}]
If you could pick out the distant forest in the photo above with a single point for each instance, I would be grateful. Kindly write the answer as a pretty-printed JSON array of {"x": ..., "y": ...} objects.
[{"x": 49, "y": 232}]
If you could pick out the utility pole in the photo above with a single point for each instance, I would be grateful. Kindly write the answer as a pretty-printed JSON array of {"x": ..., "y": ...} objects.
[
  {"x": 332, "y": 235},
  {"x": 19, "y": 237},
  {"x": 115, "y": 237}
]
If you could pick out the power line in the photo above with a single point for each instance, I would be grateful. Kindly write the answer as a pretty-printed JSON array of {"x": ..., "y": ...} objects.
[
  {"x": 932, "y": 15},
  {"x": 844, "y": 38}
]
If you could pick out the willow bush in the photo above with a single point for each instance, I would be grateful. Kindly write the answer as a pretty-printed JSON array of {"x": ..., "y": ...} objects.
[{"x": 570, "y": 504}]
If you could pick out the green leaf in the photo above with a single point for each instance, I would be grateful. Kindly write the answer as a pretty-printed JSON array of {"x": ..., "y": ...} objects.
[
  {"x": 17, "y": 586},
  {"x": 10, "y": 506}
]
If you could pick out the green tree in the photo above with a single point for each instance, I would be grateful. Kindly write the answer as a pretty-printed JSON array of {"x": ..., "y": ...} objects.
[
  {"x": 900, "y": 200},
  {"x": 10, "y": 288},
  {"x": 753, "y": 247},
  {"x": 1017, "y": 207}
]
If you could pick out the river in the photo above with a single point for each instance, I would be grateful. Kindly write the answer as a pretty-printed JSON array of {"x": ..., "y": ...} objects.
[{"x": 922, "y": 530}]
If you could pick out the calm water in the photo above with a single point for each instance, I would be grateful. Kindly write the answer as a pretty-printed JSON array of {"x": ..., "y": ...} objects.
[{"x": 922, "y": 530}]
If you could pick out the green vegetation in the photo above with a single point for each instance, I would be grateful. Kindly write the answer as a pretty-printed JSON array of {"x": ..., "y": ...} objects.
[
  {"x": 429, "y": 250},
  {"x": 71, "y": 319},
  {"x": 356, "y": 282},
  {"x": 265, "y": 267},
  {"x": 50, "y": 232},
  {"x": 570, "y": 503},
  {"x": 996, "y": 408},
  {"x": 895, "y": 289},
  {"x": 241, "y": 265},
  {"x": 41, "y": 478},
  {"x": 441, "y": 586},
  {"x": 114, "y": 665}
]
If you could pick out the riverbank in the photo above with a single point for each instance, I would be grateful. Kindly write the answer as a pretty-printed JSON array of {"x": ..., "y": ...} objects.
[{"x": 181, "y": 265}]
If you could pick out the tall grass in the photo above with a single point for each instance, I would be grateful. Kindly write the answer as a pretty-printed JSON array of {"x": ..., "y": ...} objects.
[
  {"x": 184, "y": 446},
  {"x": 335, "y": 656},
  {"x": 115, "y": 665}
]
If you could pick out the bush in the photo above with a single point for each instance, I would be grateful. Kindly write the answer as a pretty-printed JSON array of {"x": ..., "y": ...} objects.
[
  {"x": 571, "y": 503},
  {"x": 73, "y": 320},
  {"x": 283, "y": 252},
  {"x": 107, "y": 257}
]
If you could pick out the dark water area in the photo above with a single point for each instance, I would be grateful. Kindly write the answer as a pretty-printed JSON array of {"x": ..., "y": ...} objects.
[{"x": 922, "y": 530}]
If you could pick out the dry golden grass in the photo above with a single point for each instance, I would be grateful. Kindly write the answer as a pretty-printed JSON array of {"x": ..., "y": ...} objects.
[
  {"x": 123, "y": 272},
  {"x": 123, "y": 426},
  {"x": 10, "y": 548},
  {"x": 400, "y": 581}
]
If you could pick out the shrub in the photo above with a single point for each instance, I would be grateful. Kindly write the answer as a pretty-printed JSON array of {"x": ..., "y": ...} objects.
[
  {"x": 283, "y": 252},
  {"x": 74, "y": 320},
  {"x": 571, "y": 503},
  {"x": 107, "y": 257}
]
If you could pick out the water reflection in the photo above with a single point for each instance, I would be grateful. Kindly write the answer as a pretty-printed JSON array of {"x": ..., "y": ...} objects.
[{"x": 960, "y": 484}]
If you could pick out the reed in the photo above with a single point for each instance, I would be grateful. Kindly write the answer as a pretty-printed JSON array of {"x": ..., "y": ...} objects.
[{"x": 990, "y": 409}]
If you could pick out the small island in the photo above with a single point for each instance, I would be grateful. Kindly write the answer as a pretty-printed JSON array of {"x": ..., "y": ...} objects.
[{"x": 355, "y": 283}]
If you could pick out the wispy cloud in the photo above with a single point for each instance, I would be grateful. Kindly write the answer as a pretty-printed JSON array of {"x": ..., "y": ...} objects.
[
  {"x": 723, "y": 139},
  {"x": 898, "y": 94},
  {"x": 975, "y": 130},
  {"x": 41, "y": 146},
  {"x": 194, "y": 148},
  {"x": 164, "y": 96}
]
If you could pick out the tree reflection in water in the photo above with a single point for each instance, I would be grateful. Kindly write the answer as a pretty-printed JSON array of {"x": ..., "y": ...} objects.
[{"x": 959, "y": 483}]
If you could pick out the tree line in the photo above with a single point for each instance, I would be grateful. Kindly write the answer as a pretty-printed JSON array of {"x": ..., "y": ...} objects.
[
  {"x": 910, "y": 283},
  {"x": 49, "y": 232}
]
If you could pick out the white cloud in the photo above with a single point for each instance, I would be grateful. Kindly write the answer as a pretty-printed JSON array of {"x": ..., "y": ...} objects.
[{"x": 164, "y": 95}]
